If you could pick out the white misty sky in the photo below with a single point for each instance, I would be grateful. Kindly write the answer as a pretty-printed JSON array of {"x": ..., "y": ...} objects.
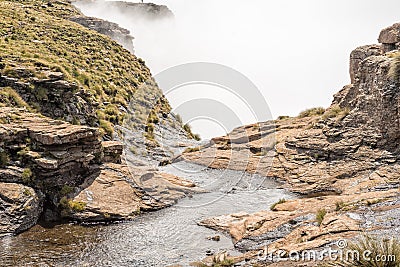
[{"x": 296, "y": 52}]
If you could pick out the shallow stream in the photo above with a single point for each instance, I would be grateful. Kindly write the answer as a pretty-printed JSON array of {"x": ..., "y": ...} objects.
[{"x": 161, "y": 238}]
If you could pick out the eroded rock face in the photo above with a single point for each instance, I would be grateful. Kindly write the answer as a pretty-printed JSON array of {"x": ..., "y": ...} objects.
[
  {"x": 346, "y": 158},
  {"x": 81, "y": 177},
  {"x": 48, "y": 155},
  {"x": 21, "y": 207},
  {"x": 56, "y": 97},
  {"x": 374, "y": 101},
  {"x": 116, "y": 195},
  {"x": 112, "y": 151},
  {"x": 390, "y": 38},
  {"x": 115, "y": 32},
  {"x": 137, "y": 11},
  {"x": 359, "y": 54}
]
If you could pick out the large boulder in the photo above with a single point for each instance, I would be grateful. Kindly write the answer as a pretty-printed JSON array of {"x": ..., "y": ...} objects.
[
  {"x": 121, "y": 192},
  {"x": 20, "y": 206},
  {"x": 359, "y": 54},
  {"x": 390, "y": 37}
]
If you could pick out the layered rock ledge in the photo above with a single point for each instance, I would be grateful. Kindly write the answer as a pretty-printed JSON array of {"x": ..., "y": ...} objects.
[
  {"x": 343, "y": 162},
  {"x": 137, "y": 11},
  {"x": 55, "y": 170},
  {"x": 113, "y": 30}
]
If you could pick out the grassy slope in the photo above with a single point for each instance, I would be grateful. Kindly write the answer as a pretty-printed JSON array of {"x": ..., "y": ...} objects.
[{"x": 35, "y": 34}]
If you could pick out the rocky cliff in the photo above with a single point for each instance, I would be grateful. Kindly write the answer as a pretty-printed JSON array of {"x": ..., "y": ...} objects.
[
  {"x": 343, "y": 162},
  {"x": 115, "y": 32},
  {"x": 66, "y": 94},
  {"x": 136, "y": 11}
]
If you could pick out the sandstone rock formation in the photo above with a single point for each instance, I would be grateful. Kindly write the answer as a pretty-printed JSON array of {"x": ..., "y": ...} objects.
[
  {"x": 115, "y": 194},
  {"x": 69, "y": 171},
  {"x": 390, "y": 38},
  {"x": 115, "y": 32},
  {"x": 21, "y": 207},
  {"x": 137, "y": 11},
  {"x": 65, "y": 98},
  {"x": 343, "y": 160},
  {"x": 78, "y": 75},
  {"x": 49, "y": 156}
]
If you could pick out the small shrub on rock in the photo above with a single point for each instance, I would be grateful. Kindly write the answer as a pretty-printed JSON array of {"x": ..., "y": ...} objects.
[
  {"x": 280, "y": 201},
  {"x": 311, "y": 112}
]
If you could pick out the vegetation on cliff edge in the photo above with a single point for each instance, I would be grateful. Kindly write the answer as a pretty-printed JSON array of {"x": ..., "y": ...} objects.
[{"x": 36, "y": 38}]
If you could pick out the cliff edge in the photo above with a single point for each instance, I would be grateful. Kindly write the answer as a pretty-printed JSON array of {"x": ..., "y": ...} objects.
[
  {"x": 342, "y": 162},
  {"x": 65, "y": 93}
]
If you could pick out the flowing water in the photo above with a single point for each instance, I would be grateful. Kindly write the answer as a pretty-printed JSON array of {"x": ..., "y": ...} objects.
[{"x": 161, "y": 238}]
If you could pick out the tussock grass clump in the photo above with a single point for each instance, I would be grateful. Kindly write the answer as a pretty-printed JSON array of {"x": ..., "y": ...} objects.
[
  {"x": 106, "y": 127},
  {"x": 77, "y": 206},
  {"x": 66, "y": 189},
  {"x": 4, "y": 159},
  {"x": 189, "y": 132},
  {"x": 280, "y": 201},
  {"x": 68, "y": 205},
  {"x": 394, "y": 71},
  {"x": 9, "y": 97},
  {"x": 320, "y": 216},
  {"x": 370, "y": 251},
  {"x": 312, "y": 112},
  {"x": 27, "y": 175},
  {"x": 282, "y": 117},
  {"x": 336, "y": 112},
  {"x": 192, "y": 149}
]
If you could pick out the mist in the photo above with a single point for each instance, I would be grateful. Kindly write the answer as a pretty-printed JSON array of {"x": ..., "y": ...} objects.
[{"x": 295, "y": 52}]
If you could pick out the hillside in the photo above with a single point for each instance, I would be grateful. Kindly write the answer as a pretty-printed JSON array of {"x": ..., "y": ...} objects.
[{"x": 67, "y": 94}]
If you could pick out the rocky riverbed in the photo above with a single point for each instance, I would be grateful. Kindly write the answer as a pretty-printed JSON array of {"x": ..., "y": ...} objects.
[
  {"x": 161, "y": 238},
  {"x": 344, "y": 160}
]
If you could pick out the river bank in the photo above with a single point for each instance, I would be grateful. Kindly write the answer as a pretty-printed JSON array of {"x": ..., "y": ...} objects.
[{"x": 165, "y": 237}]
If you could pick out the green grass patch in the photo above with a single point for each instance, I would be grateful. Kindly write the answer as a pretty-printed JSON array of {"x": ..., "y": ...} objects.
[
  {"x": 68, "y": 205},
  {"x": 371, "y": 251},
  {"x": 192, "y": 149},
  {"x": 312, "y": 112},
  {"x": 320, "y": 215},
  {"x": 394, "y": 71},
  {"x": 336, "y": 112},
  {"x": 66, "y": 189},
  {"x": 280, "y": 201},
  {"x": 4, "y": 159},
  {"x": 106, "y": 127}
]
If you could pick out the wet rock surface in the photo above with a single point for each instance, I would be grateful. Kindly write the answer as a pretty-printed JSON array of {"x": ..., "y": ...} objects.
[
  {"x": 171, "y": 232},
  {"x": 81, "y": 177},
  {"x": 59, "y": 110},
  {"x": 116, "y": 195},
  {"x": 21, "y": 207}
]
